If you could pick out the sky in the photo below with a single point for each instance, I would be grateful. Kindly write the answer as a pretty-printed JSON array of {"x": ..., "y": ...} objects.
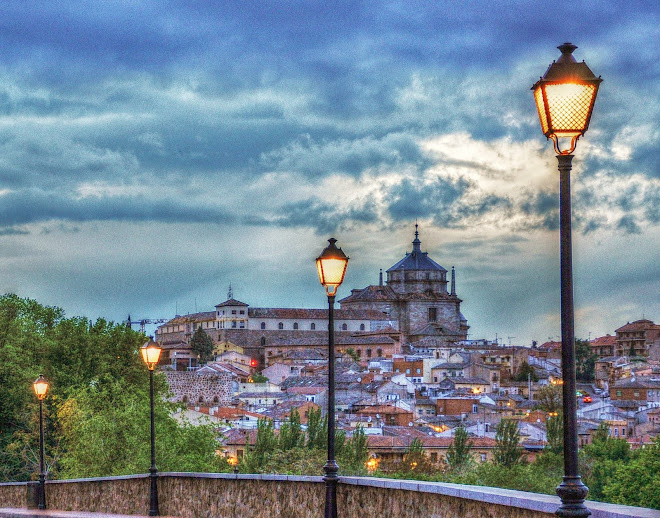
[{"x": 152, "y": 153}]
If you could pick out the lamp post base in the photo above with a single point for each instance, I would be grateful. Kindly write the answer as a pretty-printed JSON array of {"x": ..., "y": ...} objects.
[
  {"x": 331, "y": 468},
  {"x": 572, "y": 493}
]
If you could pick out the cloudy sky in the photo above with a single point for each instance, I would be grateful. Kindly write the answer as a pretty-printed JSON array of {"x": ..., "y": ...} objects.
[{"x": 153, "y": 152}]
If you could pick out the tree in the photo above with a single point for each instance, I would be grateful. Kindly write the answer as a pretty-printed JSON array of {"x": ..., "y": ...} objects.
[
  {"x": 202, "y": 345},
  {"x": 105, "y": 428},
  {"x": 458, "y": 454},
  {"x": 259, "y": 378},
  {"x": 555, "y": 432},
  {"x": 507, "y": 448},
  {"x": 416, "y": 460},
  {"x": 526, "y": 372},
  {"x": 317, "y": 430},
  {"x": 291, "y": 433},
  {"x": 264, "y": 447},
  {"x": 355, "y": 453},
  {"x": 549, "y": 398},
  {"x": 585, "y": 361}
]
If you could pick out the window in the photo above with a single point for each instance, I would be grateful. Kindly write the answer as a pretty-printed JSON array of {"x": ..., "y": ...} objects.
[
  {"x": 483, "y": 457},
  {"x": 475, "y": 408},
  {"x": 242, "y": 324},
  {"x": 242, "y": 312},
  {"x": 239, "y": 454},
  {"x": 433, "y": 314},
  {"x": 616, "y": 432},
  {"x": 263, "y": 325},
  {"x": 618, "y": 393},
  {"x": 434, "y": 457},
  {"x": 435, "y": 379},
  {"x": 623, "y": 431},
  {"x": 344, "y": 327},
  {"x": 368, "y": 353},
  {"x": 636, "y": 393},
  {"x": 407, "y": 371},
  {"x": 263, "y": 340},
  {"x": 233, "y": 311},
  {"x": 295, "y": 325},
  {"x": 233, "y": 324},
  {"x": 361, "y": 327},
  {"x": 419, "y": 371},
  {"x": 379, "y": 352},
  {"x": 280, "y": 326},
  {"x": 312, "y": 326}
]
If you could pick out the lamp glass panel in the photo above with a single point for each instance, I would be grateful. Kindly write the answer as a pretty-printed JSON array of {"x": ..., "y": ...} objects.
[
  {"x": 540, "y": 106},
  {"x": 568, "y": 107},
  {"x": 150, "y": 355},
  {"x": 40, "y": 388},
  {"x": 331, "y": 270}
]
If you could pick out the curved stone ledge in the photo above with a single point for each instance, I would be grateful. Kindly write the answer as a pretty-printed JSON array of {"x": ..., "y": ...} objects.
[{"x": 289, "y": 496}]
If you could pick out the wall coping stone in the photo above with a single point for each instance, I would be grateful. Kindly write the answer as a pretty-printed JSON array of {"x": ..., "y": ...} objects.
[{"x": 492, "y": 495}]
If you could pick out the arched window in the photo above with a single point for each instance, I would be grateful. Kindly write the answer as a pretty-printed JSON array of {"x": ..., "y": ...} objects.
[
  {"x": 368, "y": 353},
  {"x": 344, "y": 327},
  {"x": 361, "y": 327},
  {"x": 280, "y": 326},
  {"x": 263, "y": 340},
  {"x": 379, "y": 352},
  {"x": 359, "y": 353},
  {"x": 295, "y": 325},
  {"x": 313, "y": 326},
  {"x": 263, "y": 325}
]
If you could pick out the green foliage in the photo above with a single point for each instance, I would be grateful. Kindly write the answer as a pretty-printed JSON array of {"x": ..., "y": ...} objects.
[
  {"x": 355, "y": 454},
  {"x": 526, "y": 372},
  {"x": 259, "y": 378},
  {"x": 265, "y": 445},
  {"x": 458, "y": 454},
  {"x": 105, "y": 430},
  {"x": 585, "y": 361},
  {"x": 555, "y": 432},
  {"x": 291, "y": 433},
  {"x": 549, "y": 398},
  {"x": 416, "y": 460},
  {"x": 317, "y": 430},
  {"x": 353, "y": 354},
  {"x": 637, "y": 482},
  {"x": 507, "y": 438},
  {"x": 202, "y": 345}
]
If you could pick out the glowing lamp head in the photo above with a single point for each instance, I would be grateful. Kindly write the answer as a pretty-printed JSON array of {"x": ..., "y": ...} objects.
[
  {"x": 565, "y": 98},
  {"x": 253, "y": 362},
  {"x": 151, "y": 354},
  {"x": 40, "y": 386},
  {"x": 331, "y": 265}
]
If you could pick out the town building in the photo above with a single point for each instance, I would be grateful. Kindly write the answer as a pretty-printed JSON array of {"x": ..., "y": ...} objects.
[{"x": 635, "y": 338}]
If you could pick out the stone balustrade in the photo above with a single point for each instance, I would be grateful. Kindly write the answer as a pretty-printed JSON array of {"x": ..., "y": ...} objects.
[{"x": 199, "y": 495}]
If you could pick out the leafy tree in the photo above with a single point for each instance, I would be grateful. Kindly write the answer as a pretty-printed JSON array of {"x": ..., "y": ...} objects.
[
  {"x": 507, "y": 448},
  {"x": 291, "y": 433},
  {"x": 265, "y": 445},
  {"x": 202, "y": 345},
  {"x": 549, "y": 398},
  {"x": 637, "y": 482},
  {"x": 353, "y": 354},
  {"x": 601, "y": 459},
  {"x": 317, "y": 430},
  {"x": 458, "y": 453},
  {"x": 585, "y": 361},
  {"x": 555, "y": 432},
  {"x": 259, "y": 378},
  {"x": 416, "y": 460},
  {"x": 105, "y": 431},
  {"x": 525, "y": 372},
  {"x": 355, "y": 454}
]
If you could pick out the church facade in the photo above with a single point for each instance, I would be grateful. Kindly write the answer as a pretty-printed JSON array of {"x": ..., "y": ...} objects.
[{"x": 414, "y": 308}]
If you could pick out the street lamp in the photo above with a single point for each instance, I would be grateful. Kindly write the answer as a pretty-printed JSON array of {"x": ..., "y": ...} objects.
[
  {"x": 40, "y": 388},
  {"x": 331, "y": 266},
  {"x": 150, "y": 354},
  {"x": 565, "y": 98}
]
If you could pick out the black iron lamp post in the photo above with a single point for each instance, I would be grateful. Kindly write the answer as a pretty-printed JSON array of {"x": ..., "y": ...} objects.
[
  {"x": 565, "y": 98},
  {"x": 151, "y": 354},
  {"x": 331, "y": 265},
  {"x": 40, "y": 388}
]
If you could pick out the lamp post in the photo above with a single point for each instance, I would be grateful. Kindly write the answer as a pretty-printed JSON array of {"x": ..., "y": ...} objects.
[
  {"x": 150, "y": 354},
  {"x": 565, "y": 98},
  {"x": 40, "y": 388},
  {"x": 331, "y": 266}
]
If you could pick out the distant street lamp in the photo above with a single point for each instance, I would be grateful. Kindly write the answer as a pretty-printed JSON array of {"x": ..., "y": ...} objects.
[
  {"x": 151, "y": 354},
  {"x": 331, "y": 266},
  {"x": 565, "y": 98},
  {"x": 40, "y": 388}
]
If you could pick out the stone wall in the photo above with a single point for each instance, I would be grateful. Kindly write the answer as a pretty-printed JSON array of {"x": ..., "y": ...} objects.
[
  {"x": 193, "y": 387},
  {"x": 202, "y": 495},
  {"x": 13, "y": 494}
]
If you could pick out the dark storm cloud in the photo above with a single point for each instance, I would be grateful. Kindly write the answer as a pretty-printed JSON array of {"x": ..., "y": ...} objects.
[{"x": 325, "y": 217}]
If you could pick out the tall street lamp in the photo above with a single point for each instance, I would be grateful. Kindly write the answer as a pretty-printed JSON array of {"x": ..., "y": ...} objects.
[
  {"x": 331, "y": 265},
  {"x": 565, "y": 98},
  {"x": 150, "y": 354},
  {"x": 40, "y": 388}
]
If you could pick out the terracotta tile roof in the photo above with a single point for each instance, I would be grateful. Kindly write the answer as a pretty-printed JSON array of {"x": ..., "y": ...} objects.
[
  {"x": 231, "y": 302},
  {"x": 603, "y": 341},
  {"x": 637, "y": 325},
  {"x": 378, "y": 441}
]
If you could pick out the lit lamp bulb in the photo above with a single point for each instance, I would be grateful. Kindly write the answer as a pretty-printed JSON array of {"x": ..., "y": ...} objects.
[
  {"x": 331, "y": 266},
  {"x": 151, "y": 354},
  {"x": 40, "y": 386}
]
